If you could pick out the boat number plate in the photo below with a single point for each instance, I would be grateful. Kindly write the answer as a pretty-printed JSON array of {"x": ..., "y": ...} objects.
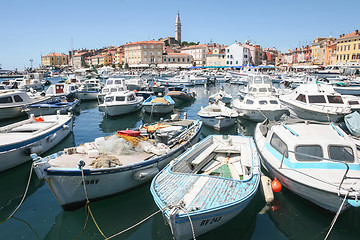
[
  {"x": 210, "y": 221},
  {"x": 90, "y": 182}
]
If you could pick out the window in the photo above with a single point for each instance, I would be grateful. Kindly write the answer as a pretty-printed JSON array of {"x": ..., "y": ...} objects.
[
  {"x": 178, "y": 59},
  {"x": 249, "y": 101},
  {"x": 173, "y": 59},
  {"x": 183, "y": 59},
  {"x": 279, "y": 144},
  {"x": 313, "y": 150},
  {"x": 274, "y": 102},
  {"x": 6, "y": 100},
  {"x": 188, "y": 60},
  {"x": 262, "y": 102},
  {"x": 341, "y": 153},
  {"x": 228, "y": 50},
  {"x": 120, "y": 99},
  {"x": 109, "y": 99},
  {"x": 317, "y": 99},
  {"x": 262, "y": 90},
  {"x": 335, "y": 99},
  {"x": 144, "y": 46},
  {"x": 301, "y": 98},
  {"x": 17, "y": 98},
  {"x": 164, "y": 59}
]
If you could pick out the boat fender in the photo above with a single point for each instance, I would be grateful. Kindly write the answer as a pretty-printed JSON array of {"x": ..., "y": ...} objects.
[
  {"x": 65, "y": 127},
  {"x": 276, "y": 185},
  {"x": 34, "y": 149},
  {"x": 266, "y": 188},
  {"x": 51, "y": 137},
  {"x": 145, "y": 174}
]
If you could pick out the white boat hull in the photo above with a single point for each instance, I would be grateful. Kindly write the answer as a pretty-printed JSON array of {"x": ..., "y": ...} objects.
[
  {"x": 116, "y": 110},
  {"x": 18, "y": 153},
  {"x": 257, "y": 116},
  {"x": 86, "y": 96},
  {"x": 218, "y": 123}
]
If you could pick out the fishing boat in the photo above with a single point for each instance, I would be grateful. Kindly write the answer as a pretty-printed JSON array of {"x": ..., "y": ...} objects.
[
  {"x": 34, "y": 135},
  {"x": 181, "y": 94},
  {"x": 62, "y": 90},
  {"x": 208, "y": 185},
  {"x": 12, "y": 101},
  {"x": 51, "y": 108},
  {"x": 120, "y": 103},
  {"x": 158, "y": 105},
  {"x": 115, "y": 164},
  {"x": 317, "y": 102},
  {"x": 317, "y": 161},
  {"x": 218, "y": 116},
  {"x": 89, "y": 90}
]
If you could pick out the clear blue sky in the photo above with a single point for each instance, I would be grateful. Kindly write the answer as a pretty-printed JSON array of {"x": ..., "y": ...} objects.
[{"x": 30, "y": 29}]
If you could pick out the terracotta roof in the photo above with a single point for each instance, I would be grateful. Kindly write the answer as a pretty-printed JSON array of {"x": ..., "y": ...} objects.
[
  {"x": 177, "y": 54},
  {"x": 351, "y": 35},
  {"x": 54, "y": 54},
  {"x": 194, "y": 46},
  {"x": 142, "y": 42}
]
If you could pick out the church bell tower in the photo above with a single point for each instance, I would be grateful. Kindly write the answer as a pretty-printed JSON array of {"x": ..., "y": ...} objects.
[{"x": 178, "y": 29}]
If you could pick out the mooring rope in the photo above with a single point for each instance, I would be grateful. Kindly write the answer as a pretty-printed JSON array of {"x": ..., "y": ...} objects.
[
  {"x": 336, "y": 216},
  {"x": 88, "y": 205},
  {"x": 191, "y": 224},
  {"x": 23, "y": 198},
  {"x": 135, "y": 225}
]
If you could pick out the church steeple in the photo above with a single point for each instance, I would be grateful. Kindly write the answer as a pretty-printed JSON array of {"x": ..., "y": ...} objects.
[{"x": 178, "y": 29}]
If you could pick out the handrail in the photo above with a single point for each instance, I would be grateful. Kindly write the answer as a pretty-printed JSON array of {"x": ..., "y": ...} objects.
[{"x": 321, "y": 158}]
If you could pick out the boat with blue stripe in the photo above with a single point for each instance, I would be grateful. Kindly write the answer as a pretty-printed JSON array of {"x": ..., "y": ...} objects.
[
  {"x": 317, "y": 161},
  {"x": 208, "y": 185}
]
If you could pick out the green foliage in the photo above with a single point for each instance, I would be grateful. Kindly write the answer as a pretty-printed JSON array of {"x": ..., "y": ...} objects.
[
  {"x": 191, "y": 43},
  {"x": 126, "y": 66}
]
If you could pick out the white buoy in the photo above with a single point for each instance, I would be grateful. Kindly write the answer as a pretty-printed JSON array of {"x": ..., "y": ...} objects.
[{"x": 266, "y": 188}]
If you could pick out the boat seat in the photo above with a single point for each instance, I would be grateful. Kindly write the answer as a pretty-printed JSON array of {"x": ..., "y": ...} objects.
[
  {"x": 210, "y": 165},
  {"x": 238, "y": 168},
  {"x": 246, "y": 158},
  {"x": 202, "y": 156},
  {"x": 227, "y": 149}
]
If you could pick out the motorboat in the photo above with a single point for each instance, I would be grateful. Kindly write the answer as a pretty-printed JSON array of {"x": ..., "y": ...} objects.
[
  {"x": 115, "y": 164},
  {"x": 32, "y": 81},
  {"x": 119, "y": 103},
  {"x": 218, "y": 116},
  {"x": 183, "y": 79},
  {"x": 89, "y": 90},
  {"x": 208, "y": 185},
  {"x": 258, "y": 108},
  {"x": 34, "y": 135},
  {"x": 260, "y": 85},
  {"x": 317, "y": 102},
  {"x": 12, "y": 101},
  {"x": 158, "y": 105},
  {"x": 62, "y": 90},
  {"x": 317, "y": 161},
  {"x": 50, "y": 108},
  {"x": 111, "y": 85},
  {"x": 181, "y": 94}
]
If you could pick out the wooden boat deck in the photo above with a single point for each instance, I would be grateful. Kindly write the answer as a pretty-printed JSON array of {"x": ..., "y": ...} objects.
[{"x": 200, "y": 191}]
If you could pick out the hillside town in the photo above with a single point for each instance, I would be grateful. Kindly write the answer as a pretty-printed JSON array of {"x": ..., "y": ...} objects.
[{"x": 173, "y": 52}]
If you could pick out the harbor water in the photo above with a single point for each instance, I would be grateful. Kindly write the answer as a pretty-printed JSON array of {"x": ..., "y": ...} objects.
[{"x": 41, "y": 217}]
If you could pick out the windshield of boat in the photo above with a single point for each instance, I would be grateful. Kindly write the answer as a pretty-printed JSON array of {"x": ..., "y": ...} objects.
[
  {"x": 277, "y": 143},
  {"x": 335, "y": 99},
  {"x": 317, "y": 99},
  {"x": 120, "y": 99},
  {"x": 341, "y": 153},
  {"x": 302, "y": 152},
  {"x": 6, "y": 100},
  {"x": 109, "y": 99}
]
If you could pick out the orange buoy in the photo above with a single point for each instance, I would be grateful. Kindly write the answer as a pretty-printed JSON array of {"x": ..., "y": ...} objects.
[{"x": 276, "y": 185}]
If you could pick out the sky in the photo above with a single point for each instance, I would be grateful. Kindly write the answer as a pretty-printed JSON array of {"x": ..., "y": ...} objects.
[{"x": 31, "y": 28}]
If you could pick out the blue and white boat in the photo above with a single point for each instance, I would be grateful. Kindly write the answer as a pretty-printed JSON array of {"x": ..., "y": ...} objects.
[
  {"x": 117, "y": 163},
  {"x": 317, "y": 161},
  {"x": 208, "y": 185},
  {"x": 51, "y": 108},
  {"x": 34, "y": 135},
  {"x": 158, "y": 105}
]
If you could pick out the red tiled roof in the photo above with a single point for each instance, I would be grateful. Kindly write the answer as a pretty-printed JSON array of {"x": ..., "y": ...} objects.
[
  {"x": 142, "y": 42},
  {"x": 194, "y": 46},
  {"x": 351, "y": 35},
  {"x": 54, "y": 54}
]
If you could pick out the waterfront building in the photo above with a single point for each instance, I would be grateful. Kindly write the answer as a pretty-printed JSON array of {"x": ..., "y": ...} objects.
[
  {"x": 216, "y": 57},
  {"x": 318, "y": 50},
  {"x": 288, "y": 58},
  {"x": 330, "y": 58},
  {"x": 105, "y": 59},
  {"x": 176, "y": 60},
  {"x": 236, "y": 55},
  {"x": 198, "y": 52},
  {"x": 54, "y": 60},
  {"x": 143, "y": 54},
  {"x": 119, "y": 55},
  {"x": 78, "y": 60},
  {"x": 348, "y": 49},
  {"x": 255, "y": 55}
]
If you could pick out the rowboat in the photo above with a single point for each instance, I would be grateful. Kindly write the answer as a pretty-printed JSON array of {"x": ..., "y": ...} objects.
[{"x": 208, "y": 185}]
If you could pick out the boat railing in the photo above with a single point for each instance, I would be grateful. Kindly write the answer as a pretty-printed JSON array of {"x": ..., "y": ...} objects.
[{"x": 286, "y": 153}]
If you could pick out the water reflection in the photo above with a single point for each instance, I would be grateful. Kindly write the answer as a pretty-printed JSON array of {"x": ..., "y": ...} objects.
[
  {"x": 298, "y": 218},
  {"x": 113, "y": 124}
]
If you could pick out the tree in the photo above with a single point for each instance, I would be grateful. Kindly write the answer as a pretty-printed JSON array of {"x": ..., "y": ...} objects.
[
  {"x": 126, "y": 66},
  {"x": 191, "y": 43},
  {"x": 184, "y": 43}
]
